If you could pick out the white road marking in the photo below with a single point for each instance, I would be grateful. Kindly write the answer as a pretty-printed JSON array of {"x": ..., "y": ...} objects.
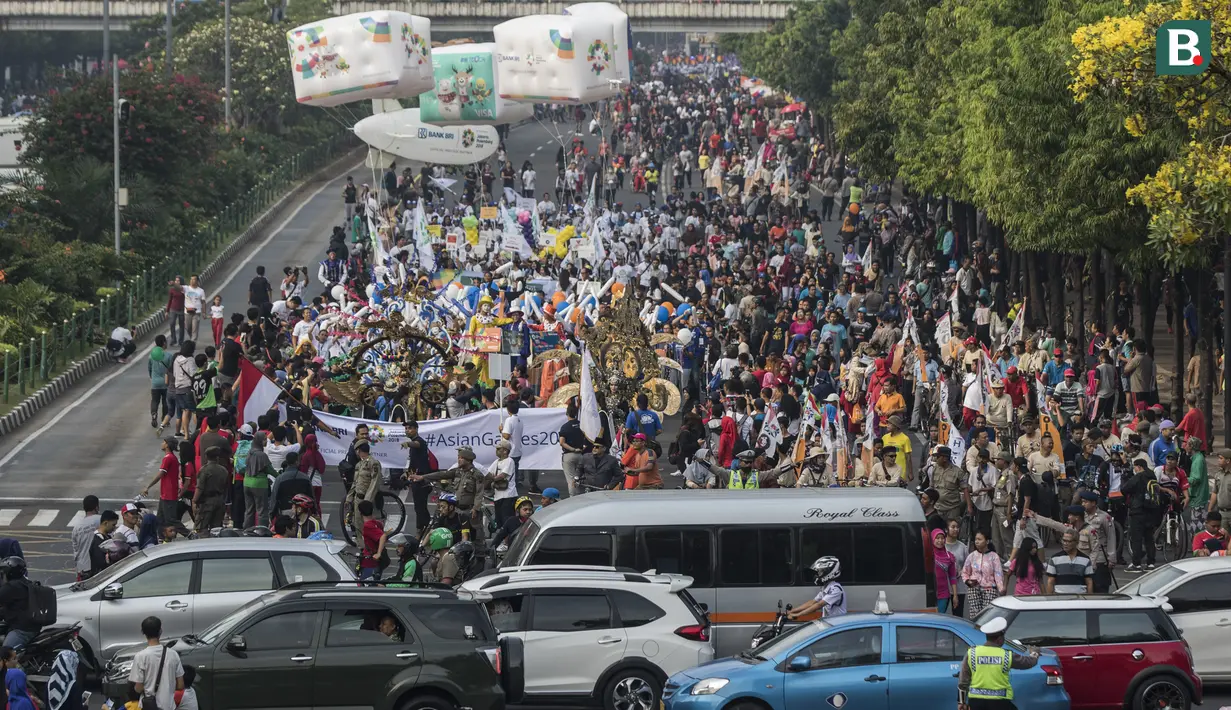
[
  {"x": 325, "y": 520},
  {"x": 133, "y": 361},
  {"x": 7, "y": 516},
  {"x": 44, "y": 517},
  {"x": 76, "y": 517}
]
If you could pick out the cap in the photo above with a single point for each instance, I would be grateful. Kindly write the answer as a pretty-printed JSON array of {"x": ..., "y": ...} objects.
[
  {"x": 997, "y": 384},
  {"x": 129, "y": 508},
  {"x": 995, "y": 627},
  {"x": 1057, "y": 351},
  {"x": 832, "y": 397},
  {"x": 748, "y": 455},
  {"x": 246, "y": 430},
  {"x": 942, "y": 451},
  {"x": 1074, "y": 510},
  {"x": 896, "y": 421},
  {"x": 638, "y": 437},
  {"x": 1089, "y": 495},
  {"x": 1172, "y": 455},
  {"x": 1166, "y": 424},
  {"x": 1156, "y": 407},
  {"x": 1004, "y": 456},
  {"x": 971, "y": 340},
  {"x": 1070, "y": 373},
  {"x": 1225, "y": 453},
  {"x": 1012, "y": 370},
  {"x": 465, "y": 452}
]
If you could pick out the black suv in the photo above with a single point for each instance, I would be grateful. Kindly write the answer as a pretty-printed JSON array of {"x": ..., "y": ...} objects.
[{"x": 329, "y": 645}]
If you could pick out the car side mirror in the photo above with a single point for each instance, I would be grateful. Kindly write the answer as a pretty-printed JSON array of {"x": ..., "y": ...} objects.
[
  {"x": 800, "y": 663},
  {"x": 113, "y": 591},
  {"x": 237, "y": 644}
]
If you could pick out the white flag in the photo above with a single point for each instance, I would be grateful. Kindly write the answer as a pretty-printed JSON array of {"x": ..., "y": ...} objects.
[
  {"x": 957, "y": 447},
  {"x": 866, "y": 261},
  {"x": 591, "y": 424},
  {"x": 942, "y": 400},
  {"x": 944, "y": 330},
  {"x": 771, "y": 432},
  {"x": 1016, "y": 330}
]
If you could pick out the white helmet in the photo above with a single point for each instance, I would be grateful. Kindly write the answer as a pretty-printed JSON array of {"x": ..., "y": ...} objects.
[{"x": 827, "y": 569}]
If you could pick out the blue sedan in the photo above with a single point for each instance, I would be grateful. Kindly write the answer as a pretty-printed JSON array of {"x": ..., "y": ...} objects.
[{"x": 887, "y": 661}]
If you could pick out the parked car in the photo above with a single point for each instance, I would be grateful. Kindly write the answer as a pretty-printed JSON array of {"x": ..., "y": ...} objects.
[
  {"x": 189, "y": 585},
  {"x": 1117, "y": 651},
  {"x": 1198, "y": 590},
  {"x": 598, "y": 635},
  {"x": 878, "y": 661},
  {"x": 348, "y": 646}
]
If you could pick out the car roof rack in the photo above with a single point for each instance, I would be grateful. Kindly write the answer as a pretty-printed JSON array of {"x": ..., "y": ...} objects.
[{"x": 345, "y": 583}]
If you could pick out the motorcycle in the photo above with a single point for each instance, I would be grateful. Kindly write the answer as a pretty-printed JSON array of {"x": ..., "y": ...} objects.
[
  {"x": 38, "y": 658},
  {"x": 767, "y": 632}
]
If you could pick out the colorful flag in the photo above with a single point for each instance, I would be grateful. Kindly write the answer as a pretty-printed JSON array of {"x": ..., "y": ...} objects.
[
  {"x": 944, "y": 330},
  {"x": 1017, "y": 329},
  {"x": 257, "y": 393}
]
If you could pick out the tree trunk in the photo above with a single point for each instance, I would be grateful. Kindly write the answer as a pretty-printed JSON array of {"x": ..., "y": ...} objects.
[
  {"x": 1148, "y": 299},
  {"x": 1035, "y": 312},
  {"x": 972, "y": 227},
  {"x": 1226, "y": 340},
  {"x": 1177, "y": 396},
  {"x": 1208, "y": 323},
  {"x": 1100, "y": 291},
  {"x": 1079, "y": 263},
  {"x": 1055, "y": 297}
]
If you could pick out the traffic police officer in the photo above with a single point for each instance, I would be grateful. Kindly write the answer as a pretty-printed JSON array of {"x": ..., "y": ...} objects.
[
  {"x": 983, "y": 683},
  {"x": 745, "y": 477}
]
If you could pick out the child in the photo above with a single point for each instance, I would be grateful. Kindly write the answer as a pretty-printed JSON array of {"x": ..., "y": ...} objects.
[
  {"x": 217, "y": 318},
  {"x": 186, "y": 699},
  {"x": 134, "y": 699}
]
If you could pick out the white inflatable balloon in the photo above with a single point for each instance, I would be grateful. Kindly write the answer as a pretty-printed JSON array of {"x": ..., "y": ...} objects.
[
  {"x": 684, "y": 336},
  {"x": 622, "y": 32},
  {"x": 405, "y": 135},
  {"x": 556, "y": 59},
  {"x": 466, "y": 90},
  {"x": 369, "y": 55}
]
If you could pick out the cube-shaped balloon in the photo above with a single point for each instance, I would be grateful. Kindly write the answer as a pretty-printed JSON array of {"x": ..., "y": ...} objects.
[
  {"x": 467, "y": 89},
  {"x": 368, "y": 55},
  {"x": 556, "y": 59},
  {"x": 622, "y": 32}
]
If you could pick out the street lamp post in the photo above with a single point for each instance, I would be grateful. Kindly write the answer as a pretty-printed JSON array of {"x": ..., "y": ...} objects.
[
  {"x": 226, "y": 5},
  {"x": 170, "y": 62},
  {"x": 115, "y": 139},
  {"x": 106, "y": 33}
]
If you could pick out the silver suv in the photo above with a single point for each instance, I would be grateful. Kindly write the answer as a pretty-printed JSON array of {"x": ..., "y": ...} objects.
[{"x": 189, "y": 585}]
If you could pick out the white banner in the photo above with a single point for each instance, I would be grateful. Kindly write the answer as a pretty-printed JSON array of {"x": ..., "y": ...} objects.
[
  {"x": 540, "y": 440},
  {"x": 944, "y": 330}
]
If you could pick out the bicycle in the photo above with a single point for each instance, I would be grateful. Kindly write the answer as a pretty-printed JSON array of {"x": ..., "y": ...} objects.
[
  {"x": 1172, "y": 537},
  {"x": 389, "y": 508}
]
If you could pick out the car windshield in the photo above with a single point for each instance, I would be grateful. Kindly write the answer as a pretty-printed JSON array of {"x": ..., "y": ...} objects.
[
  {"x": 790, "y": 636},
  {"x": 211, "y": 635},
  {"x": 113, "y": 572},
  {"x": 520, "y": 545},
  {"x": 1152, "y": 582}
]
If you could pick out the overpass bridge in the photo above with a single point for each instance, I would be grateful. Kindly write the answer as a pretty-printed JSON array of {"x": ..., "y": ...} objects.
[{"x": 465, "y": 16}]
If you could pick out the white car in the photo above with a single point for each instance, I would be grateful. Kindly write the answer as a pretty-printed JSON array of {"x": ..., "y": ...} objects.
[
  {"x": 1199, "y": 592},
  {"x": 598, "y": 635},
  {"x": 189, "y": 585}
]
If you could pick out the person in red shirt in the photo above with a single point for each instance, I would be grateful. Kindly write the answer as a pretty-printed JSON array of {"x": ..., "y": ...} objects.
[
  {"x": 168, "y": 480},
  {"x": 374, "y": 539},
  {"x": 1193, "y": 423},
  {"x": 1213, "y": 531},
  {"x": 188, "y": 478},
  {"x": 1015, "y": 386}
]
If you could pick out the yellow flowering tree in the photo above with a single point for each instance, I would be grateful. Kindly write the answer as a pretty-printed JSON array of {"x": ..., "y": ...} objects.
[{"x": 1189, "y": 196}]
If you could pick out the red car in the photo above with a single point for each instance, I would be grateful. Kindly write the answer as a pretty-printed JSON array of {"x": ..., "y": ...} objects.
[{"x": 1116, "y": 651}]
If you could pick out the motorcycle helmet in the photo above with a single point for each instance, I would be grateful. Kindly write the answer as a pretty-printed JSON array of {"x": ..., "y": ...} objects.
[
  {"x": 463, "y": 553},
  {"x": 440, "y": 539},
  {"x": 321, "y": 535},
  {"x": 13, "y": 567},
  {"x": 115, "y": 549},
  {"x": 827, "y": 569},
  {"x": 258, "y": 531},
  {"x": 228, "y": 532}
]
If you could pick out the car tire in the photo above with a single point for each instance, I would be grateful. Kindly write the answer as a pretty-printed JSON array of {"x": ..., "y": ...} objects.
[
  {"x": 1162, "y": 692},
  {"x": 428, "y": 701},
  {"x": 632, "y": 689},
  {"x": 513, "y": 673}
]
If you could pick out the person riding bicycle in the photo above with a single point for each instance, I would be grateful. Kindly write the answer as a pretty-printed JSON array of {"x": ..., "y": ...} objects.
[
  {"x": 524, "y": 508},
  {"x": 831, "y": 601},
  {"x": 440, "y": 565},
  {"x": 450, "y": 518},
  {"x": 549, "y": 496},
  {"x": 305, "y": 523},
  {"x": 15, "y": 608}
]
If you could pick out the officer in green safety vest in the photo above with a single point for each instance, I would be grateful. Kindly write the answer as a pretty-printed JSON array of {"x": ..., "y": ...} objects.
[
  {"x": 744, "y": 477},
  {"x": 983, "y": 683}
]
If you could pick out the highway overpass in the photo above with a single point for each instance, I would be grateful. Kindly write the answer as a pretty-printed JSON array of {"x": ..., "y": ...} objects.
[{"x": 646, "y": 16}]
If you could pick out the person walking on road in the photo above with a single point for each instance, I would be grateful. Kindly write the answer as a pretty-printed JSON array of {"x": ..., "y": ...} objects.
[{"x": 157, "y": 673}]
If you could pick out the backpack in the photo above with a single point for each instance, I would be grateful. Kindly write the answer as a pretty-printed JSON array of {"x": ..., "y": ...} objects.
[
  {"x": 1153, "y": 496},
  {"x": 41, "y": 604},
  {"x": 241, "y": 455},
  {"x": 741, "y": 444}
]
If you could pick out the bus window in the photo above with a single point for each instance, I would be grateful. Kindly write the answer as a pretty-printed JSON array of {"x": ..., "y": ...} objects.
[
  {"x": 886, "y": 562},
  {"x": 750, "y": 556},
  {"x": 676, "y": 551},
  {"x": 870, "y": 554},
  {"x": 821, "y": 540},
  {"x": 564, "y": 547}
]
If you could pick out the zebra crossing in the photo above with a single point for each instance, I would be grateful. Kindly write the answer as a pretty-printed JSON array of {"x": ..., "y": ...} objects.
[{"x": 19, "y": 518}]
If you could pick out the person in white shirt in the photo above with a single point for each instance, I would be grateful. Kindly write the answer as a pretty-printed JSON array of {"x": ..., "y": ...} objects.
[
  {"x": 528, "y": 177},
  {"x": 121, "y": 342},
  {"x": 510, "y": 431},
  {"x": 277, "y": 449},
  {"x": 194, "y": 304},
  {"x": 130, "y": 520},
  {"x": 156, "y": 670},
  {"x": 503, "y": 472}
]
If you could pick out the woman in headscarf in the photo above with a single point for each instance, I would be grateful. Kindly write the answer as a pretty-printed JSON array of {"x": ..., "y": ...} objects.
[
  {"x": 147, "y": 535},
  {"x": 19, "y": 694},
  {"x": 256, "y": 481},
  {"x": 945, "y": 565},
  {"x": 312, "y": 463}
]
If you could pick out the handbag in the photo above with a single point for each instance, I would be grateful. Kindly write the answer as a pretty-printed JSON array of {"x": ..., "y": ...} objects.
[{"x": 149, "y": 701}]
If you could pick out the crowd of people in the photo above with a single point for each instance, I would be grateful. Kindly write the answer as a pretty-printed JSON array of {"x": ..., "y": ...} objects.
[{"x": 858, "y": 339}]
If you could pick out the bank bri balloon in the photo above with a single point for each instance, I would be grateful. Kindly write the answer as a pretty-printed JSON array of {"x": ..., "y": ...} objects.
[
  {"x": 404, "y": 134},
  {"x": 467, "y": 89},
  {"x": 369, "y": 55}
]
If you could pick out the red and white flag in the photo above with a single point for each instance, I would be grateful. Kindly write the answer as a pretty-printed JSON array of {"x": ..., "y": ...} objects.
[{"x": 257, "y": 393}]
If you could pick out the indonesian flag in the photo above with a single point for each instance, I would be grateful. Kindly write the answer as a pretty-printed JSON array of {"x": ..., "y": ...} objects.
[{"x": 257, "y": 393}]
